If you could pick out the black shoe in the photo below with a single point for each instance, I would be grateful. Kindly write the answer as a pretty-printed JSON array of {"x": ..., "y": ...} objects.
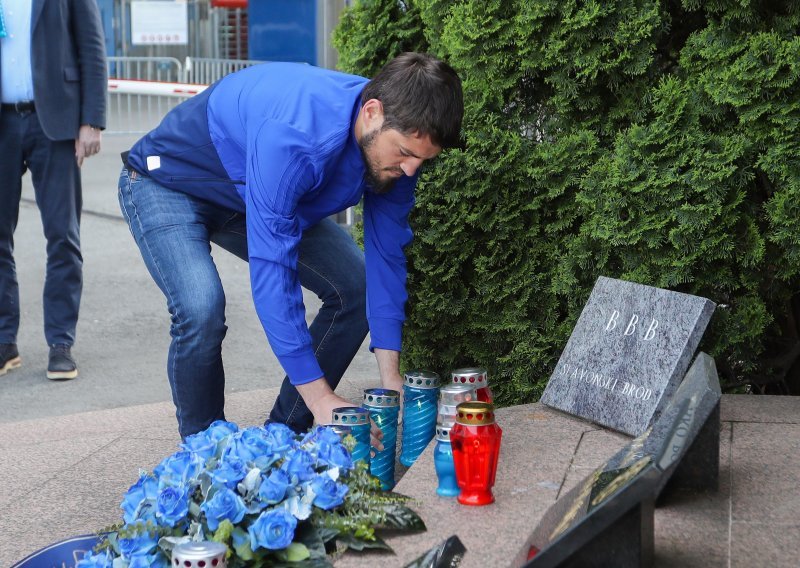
[
  {"x": 61, "y": 365},
  {"x": 9, "y": 357}
]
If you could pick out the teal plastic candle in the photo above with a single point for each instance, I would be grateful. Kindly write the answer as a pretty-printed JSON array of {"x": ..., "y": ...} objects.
[
  {"x": 443, "y": 462},
  {"x": 384, "y": 409},
  {"x": 420, "y": 398},
  {"x": 357, "y": 420}
]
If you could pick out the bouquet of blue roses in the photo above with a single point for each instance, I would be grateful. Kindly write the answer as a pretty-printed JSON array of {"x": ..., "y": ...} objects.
[{"x": 273, "y": 497}]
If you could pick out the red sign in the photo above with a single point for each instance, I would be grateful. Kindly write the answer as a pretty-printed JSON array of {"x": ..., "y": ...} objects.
[{"x": 229, "y": 3}]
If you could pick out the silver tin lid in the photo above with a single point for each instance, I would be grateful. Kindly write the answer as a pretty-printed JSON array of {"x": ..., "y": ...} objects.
[
  {"x": 196, "y": 551},
  {"x": 443, "y": 433},
  {"x": 381, "y": 398},
  {"x": 350, "y": 416},
  {"x": 422, "y": 379},
  {"x": 475, "y": 376},
  {"x": 456, "y": 393}
]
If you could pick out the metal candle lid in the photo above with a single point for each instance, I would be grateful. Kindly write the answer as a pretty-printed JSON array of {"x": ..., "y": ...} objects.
[
  {"x": 443, "y": 433},
  {"x": 475, "y": 413},
  {"x": 422, "y": 379},
  {"x": 203, "y": 553},
  {"x": 455, "y": 393},
  {"x": 350, "y": 416},
  {"x": 475, "y": 376},
  {"x": 381, "y": 398}
]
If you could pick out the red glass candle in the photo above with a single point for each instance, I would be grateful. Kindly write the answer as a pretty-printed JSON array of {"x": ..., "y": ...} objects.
[
  {"x": 475, "y": 440},
  {"x": 477, "y": 378}
]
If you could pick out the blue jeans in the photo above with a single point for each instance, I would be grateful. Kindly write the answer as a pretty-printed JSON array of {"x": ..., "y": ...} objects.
[{"x": 173, "y": 231}]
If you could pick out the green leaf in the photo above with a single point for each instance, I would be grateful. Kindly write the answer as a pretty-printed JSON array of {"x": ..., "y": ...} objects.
[
  {"x": 297, "y": 552},
  {"x": 358, "y": 544},
  {"x": 327, "y": 534},
  {"x": 243, "y": 547},
  {"x": 402, "y": 518},
  {"x": 223, "y": 532}
]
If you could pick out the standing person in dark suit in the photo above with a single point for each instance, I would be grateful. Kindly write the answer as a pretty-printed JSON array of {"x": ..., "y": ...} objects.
[{"x": 52, "y": 89}]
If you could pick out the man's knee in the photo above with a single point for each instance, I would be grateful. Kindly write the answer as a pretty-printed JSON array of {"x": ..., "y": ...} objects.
[{"x": 201, "y": 315}]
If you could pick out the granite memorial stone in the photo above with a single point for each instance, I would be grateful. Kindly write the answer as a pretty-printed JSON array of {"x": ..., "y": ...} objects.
[
  {"x": 607, "y": 519},
  {"x": 627, "y": 354}
]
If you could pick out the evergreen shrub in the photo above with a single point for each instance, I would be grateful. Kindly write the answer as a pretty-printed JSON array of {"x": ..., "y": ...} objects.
[{"x": 653, "y": 141}]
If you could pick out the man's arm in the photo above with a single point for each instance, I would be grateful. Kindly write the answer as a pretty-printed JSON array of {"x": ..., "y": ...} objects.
[
  {"x": 389, "y": 368},
  {"x": 88, "y": 32}
]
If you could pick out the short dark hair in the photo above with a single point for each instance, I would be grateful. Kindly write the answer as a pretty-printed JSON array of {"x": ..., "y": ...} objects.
[{"x": 420, "y": 94}]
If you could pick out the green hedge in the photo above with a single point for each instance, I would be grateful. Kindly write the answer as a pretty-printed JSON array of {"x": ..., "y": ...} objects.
[{"x": 657, "y": 142}]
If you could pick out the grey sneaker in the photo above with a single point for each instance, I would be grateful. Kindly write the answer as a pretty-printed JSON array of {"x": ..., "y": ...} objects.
[
  {"x": 9, "y": 357},
  {"x": 61, "y": 364}
]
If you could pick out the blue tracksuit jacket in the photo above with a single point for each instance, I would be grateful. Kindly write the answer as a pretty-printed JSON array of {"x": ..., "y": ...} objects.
[{"x": 276, "y": 142}]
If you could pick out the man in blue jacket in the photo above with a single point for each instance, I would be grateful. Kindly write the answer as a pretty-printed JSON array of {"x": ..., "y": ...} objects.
[{"x": 257, "y": 163}]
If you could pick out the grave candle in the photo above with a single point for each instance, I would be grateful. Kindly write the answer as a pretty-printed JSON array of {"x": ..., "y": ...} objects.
[
  {"x": 450, "y": 396},
  {"x": 475, "y": 439},
  {"x": 476, "y": 377},
  {"x": 357, "y": 419},
  {"x": 443, "y": 462},
  {"x": 384, "y": 408},
  {"x": 198, "y": 554},
  {"x": 420, "y": 396}
]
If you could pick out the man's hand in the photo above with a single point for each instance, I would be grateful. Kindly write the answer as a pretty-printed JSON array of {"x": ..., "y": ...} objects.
[
  {"x": 88, "y": 143},
  {"x": 321, "y": 401}
]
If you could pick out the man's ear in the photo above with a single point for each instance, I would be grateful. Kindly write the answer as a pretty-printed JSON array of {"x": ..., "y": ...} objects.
[{"x": 373, "y": 114}]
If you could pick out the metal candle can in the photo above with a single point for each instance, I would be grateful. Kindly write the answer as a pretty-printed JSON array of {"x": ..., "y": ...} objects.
[
  {"x": 475, "y": 439},
  {"x": 357, "y": 419},
  {"x": 478, "y": 378},
  {"x": 443, "y": 462},
  {"x": 420, "y": 397},
  {"x": 384, "y": 409},
  {"x": 450, "y": 396},
  {"x": 202, "y": 554}
]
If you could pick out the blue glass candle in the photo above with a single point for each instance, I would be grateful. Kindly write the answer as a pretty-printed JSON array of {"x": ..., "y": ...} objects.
[
  {"x": 357, "y": 419},
  {"x": 420, "y": 398},
  {"x": 443, "y": 462},
  {"x": 384, "y": 409}
]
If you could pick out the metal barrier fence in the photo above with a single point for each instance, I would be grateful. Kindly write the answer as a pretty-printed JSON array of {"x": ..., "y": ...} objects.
[
  {"x": 205, "y": 71},
  {"x": 139, "y": 113}
]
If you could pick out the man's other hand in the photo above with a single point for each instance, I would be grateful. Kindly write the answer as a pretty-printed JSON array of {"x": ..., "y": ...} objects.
[{"x": 88, "y": 143}]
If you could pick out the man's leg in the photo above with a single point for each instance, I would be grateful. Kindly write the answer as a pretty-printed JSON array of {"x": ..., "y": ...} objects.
[
  {"x": 57, "y": 185},
  {"x": 332, "y": 266},
  {"x": 172, "y": 231},
  {"x": 11, "y": 170}
]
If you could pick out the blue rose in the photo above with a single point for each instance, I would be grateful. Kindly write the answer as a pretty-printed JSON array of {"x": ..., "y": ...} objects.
[
  {"x": 273, "y": 488},
  {"x": 141, "y": 542},
  {"x": 282, "y": 437},
  {"x": 253, "y": 446},
  {"x": 178, "y": 469},
  {"x": 335, "y": 455},
  {"x": 91, "y": 560},
  {"x": 272, "y": 530},
  {"x": 200, "y": 445},
  {"x": 172, "y": 505},
  {"x": 156, "y": 560},
  {"x": 299, "y": 466},
  {"x": 220, "y": 429},
  {"x": 140, "y": 500},
  {"x": 229, "y": 472},
  {"x": 327, "y": 493},
  {"x": 223, "y": 504}
]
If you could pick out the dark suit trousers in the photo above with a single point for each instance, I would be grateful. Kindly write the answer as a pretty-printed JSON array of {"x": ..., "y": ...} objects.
[{"x": 57, "y": 185}]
